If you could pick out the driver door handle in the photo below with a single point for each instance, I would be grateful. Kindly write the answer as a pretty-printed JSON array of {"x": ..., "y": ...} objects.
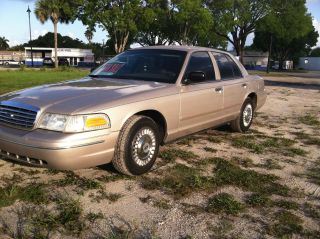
[{"x": 219, "y": 90}]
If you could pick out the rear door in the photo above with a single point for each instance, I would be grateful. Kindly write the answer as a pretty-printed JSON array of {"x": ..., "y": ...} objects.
[
  {"x": 201, "y": 103},
  {"x": 235, "y": 86}
]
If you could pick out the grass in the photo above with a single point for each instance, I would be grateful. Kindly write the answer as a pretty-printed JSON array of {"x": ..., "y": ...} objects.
[
  {"x": 16, "y": 80},
  {"x": 172, "y": 154},
  {"x": 29, "y": 172},
  {"x": 32, "y": 222},
  {"x": 36, "y": 221},
  {"x": 82, "y": 183},
  {"x": 261, "y": 144},
  {"x": 93, "y": 217},
  {"x": 187, "y": 141},
  {"x": 312, "y": 211},
  {"x": 70, "y": 215},
  {"x": 210, "y": 150},
  {"x": 310, "y": 119},
  {"x": 34, "y": 193},
  {"x": 101, "y": 195},
  {"x": 224, "y": 203},
  {"x": 214, "y": 139},
  {"x": 258, "y": 200},
  {"x": 227, "y": 173},
  {"x": 113, "y": 178},
  {"x": 244, "y": 162},
  {"x": 289, "y": 205},
  {"x": 262, "y": 200},
  {"x": 271, "y": 164},
  {"x": 162, "y": 203},
  {"x": 307, "y": 139},
  {"x": 287, "y": 224},
  {"x": 178, "y": 181}
]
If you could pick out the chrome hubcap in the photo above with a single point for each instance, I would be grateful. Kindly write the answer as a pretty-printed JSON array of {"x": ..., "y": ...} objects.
[
  {"x": 247, "y": 115},
  {"x": 144, "y": 146}
]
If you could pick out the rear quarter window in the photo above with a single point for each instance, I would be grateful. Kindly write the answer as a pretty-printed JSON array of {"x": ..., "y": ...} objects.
[{"x": 228, "y": 68}]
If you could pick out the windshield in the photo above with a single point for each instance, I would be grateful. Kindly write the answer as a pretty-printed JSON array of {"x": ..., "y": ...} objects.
[{"x": 147, "y": 65}]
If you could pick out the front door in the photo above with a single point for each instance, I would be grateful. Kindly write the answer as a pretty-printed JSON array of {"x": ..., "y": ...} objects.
[{"x": 201, "y": 103}]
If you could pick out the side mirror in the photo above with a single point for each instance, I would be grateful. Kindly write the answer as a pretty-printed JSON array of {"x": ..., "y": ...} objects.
[
  {"x": 195, "y": 77},
  {"x": 92, "y": 69}
]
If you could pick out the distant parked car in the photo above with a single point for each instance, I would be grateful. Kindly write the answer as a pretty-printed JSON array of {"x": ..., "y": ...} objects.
[
  {"x": 63, "y": 62},
  {"x": 48, "y": 62},
  {"x": 12, "y": 63}
]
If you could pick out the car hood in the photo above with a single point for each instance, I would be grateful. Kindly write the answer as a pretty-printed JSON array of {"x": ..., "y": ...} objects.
[{"x": 86, "y": 95}]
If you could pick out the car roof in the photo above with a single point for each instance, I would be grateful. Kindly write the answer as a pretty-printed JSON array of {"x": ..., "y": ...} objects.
[{"x": 179, "y": 48}]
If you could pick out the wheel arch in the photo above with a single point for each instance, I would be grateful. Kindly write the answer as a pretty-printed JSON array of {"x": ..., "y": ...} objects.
[
  {"x": 158, "y": 118},
  {"x": 253, "y": 96}
]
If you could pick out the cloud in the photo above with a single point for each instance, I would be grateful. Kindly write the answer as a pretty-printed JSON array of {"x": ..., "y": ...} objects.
[
  {"x": 316, "y": 24},
  {"x": 37, "y": 33},
  {"x": 14, "y": 42},
  {"x": 71, "y": 34}
]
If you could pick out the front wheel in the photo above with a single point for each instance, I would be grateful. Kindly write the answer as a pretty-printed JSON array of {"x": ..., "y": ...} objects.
[
  {"x": 137, "y": 146},
  {"x": 243, "y": 122}
]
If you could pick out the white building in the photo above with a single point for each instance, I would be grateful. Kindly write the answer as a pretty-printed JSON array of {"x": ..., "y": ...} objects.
[
  {"x": 309, "y": 63},
  {"x": 254, "y": 60},
  {"x": 75, "y": 56}
]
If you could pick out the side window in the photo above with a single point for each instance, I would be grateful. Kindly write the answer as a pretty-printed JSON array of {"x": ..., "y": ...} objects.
[
  {"x": 228, "y": 68},
  {"x": 201, "y": 61}
]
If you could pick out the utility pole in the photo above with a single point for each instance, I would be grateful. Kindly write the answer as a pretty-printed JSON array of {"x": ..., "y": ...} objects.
[
  {"x": 29, "y": 11},
  {"x": 103, "y": 50}
]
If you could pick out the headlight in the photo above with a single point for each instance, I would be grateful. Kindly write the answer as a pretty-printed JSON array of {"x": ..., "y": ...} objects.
[{"x": 73, "y": 124}]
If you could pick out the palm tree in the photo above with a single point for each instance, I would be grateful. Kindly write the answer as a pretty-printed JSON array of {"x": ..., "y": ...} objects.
[
  {"x": 89, "y": 35},
  {"x": 58, "y": 11},
  {"x": 4, "y": 43}
]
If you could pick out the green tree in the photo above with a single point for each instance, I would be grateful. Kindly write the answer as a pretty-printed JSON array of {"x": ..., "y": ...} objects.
[
  {"x": 191, "y": 21},
  {"x": 89, "y": 34},
  {"x": 117, "y": 17},
  {"x": 4, "y": 43},
  {"x": 315, "y": 52},
  {"x": 287, "y": 29},
  {"x": 58, "y": 11},
  {"x": 236, "y": 19},
  {"x": 154, "y": 26}
]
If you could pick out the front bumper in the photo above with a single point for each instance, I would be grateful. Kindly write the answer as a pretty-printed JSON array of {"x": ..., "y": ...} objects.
[{"x": 57, "y": 150}]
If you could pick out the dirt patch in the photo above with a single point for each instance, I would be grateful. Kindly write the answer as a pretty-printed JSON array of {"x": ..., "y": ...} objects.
[{"x": 214, "y": 184}]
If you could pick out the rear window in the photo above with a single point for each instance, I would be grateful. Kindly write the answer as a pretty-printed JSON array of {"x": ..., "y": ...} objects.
[{"x": 228, "y": 68}]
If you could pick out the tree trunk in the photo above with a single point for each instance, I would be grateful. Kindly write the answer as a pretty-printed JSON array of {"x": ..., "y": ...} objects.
[
  {"x": 241, "y": 54},
  {"x": 56, "y": 64}
]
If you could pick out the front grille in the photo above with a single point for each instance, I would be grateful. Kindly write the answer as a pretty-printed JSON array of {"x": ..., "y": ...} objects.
[{"x": 18, "y": 114}]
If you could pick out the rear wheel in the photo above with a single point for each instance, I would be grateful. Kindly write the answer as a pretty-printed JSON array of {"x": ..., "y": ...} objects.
[
  {"x": 137, "y": 146},
  {"x": 243, "y": 122}
]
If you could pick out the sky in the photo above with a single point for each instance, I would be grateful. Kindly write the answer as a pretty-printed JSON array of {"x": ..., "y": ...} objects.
[{"x": 14, "y": 23}]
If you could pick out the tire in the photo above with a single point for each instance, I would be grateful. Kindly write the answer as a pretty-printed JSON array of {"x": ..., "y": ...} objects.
[
  {"x": 243, "y": 122},
  {"x": 137, "y": 147}
]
